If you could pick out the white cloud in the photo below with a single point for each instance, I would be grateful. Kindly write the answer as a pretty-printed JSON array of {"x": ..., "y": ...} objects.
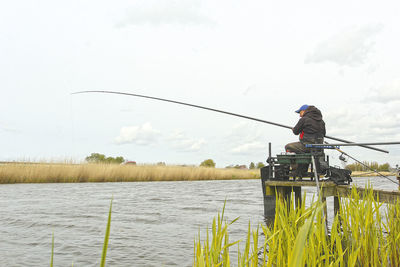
[
  {"x": 176, "y": 135},
  {"x": 190, "y": 145},
  {"x": 158, "y": 12},
  {"x": 245, "y": 138},
  {"x": 364, "y": 122},
  {"x": 349, "y": 48},
  {"x": 6, "y": 128},
  {"x": 249, "y": 148},
  {"x": 386, "y": 93},
  {"x": 244, "y": 132},
  {"x": 141, "y": 135},
  {"x": 251, "y": 88},
  {"x": 179, "y": 141}
]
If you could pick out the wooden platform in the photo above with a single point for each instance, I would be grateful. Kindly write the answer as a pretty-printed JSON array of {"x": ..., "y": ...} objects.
[
  {"x": 285, "y": 189},
  {"x": 331, "y": 189}
]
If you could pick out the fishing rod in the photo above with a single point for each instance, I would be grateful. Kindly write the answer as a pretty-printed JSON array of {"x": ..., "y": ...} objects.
[
  {"x": 217, "y": 110},
  {"x": 350, "y": 144}
]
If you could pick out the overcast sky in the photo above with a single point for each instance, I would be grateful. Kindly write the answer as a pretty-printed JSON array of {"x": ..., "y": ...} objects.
[{"x": 258, "y": 58}]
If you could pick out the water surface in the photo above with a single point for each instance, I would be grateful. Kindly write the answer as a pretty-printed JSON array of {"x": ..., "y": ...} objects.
[{"x": 153, "y": 223}]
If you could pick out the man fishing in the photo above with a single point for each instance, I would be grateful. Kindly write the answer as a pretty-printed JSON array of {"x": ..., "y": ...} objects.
[{"x": 310, "y": 128}]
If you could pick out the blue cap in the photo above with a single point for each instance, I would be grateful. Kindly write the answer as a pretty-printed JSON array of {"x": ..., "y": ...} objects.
[{"x": 303, "y": 107}]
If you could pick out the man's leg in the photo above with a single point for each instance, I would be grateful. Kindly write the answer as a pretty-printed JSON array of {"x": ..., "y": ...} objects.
[{"x": 296, "y": 147}]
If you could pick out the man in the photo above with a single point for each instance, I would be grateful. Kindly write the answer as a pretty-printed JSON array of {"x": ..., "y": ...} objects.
[{"x": 310, "y": 128}]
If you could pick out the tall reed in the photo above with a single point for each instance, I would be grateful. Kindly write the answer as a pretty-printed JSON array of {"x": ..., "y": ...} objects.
[
  {"x": 365, "y": 232},
  {"x": 72, "y": 173}
]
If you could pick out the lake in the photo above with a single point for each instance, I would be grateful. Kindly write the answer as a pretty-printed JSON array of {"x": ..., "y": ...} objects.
[{"x": 153, "y": 223}]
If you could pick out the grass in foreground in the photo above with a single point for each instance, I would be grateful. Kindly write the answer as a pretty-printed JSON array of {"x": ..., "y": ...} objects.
[
  {"x": 360, "y": 235},
  {"x": 75, "y": 173}
]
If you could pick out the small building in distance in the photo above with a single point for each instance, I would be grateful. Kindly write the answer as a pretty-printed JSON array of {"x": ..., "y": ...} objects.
[{"x": 128, "y": 162}]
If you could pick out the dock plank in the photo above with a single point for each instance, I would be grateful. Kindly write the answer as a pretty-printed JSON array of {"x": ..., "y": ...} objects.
[{"x": 380, "y": 195}]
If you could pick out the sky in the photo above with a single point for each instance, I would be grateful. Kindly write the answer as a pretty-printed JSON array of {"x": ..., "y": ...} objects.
[{"x": 263, "y": 59}]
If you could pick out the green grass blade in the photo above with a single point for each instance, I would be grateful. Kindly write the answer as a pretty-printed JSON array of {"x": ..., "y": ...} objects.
[
  {"x": 298, "y": 251},
  {"x": 52, "y": 250},
  {"x": 105, "y": 245}
]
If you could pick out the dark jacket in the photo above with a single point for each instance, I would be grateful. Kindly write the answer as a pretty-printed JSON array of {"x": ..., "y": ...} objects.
[{"x": 311, "y": 127}]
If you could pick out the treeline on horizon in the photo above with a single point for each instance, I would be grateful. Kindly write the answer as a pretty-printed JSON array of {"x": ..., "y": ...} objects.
[
  {"x": 371, "y": 165},
  {"x": 101, "y": 158}
]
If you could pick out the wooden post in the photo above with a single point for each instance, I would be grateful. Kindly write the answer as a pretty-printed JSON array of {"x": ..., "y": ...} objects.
[
  {"x": 297, "y": 195},
  {"x": 287, "y": 194},
  {"x": 398, "y": 179},
  {"x": 270, "y": 202},
  {"x": 336, "y": 205}
]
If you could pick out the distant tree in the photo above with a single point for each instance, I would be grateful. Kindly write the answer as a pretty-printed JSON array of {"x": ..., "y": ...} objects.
[
  {"x": 374, "y": 165},
  {"x": 367, "y": 166},
  {"x": 384, "y": 167},
  {"x": 109, "y": 160},
  {"x": 100, "y": 158},
  {"x": 252, "y": 166},
  {"x": 95, "y": 158},
  {"x": 161, "y": 163},
  {"x": 208, "y": 163},
  {"x": 119, "y": 160},
  {"x": 260, "y": 165}
]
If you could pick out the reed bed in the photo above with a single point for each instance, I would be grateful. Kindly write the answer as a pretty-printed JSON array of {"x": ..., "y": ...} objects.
[
  {"x": 361, "y": 234},
  {"x": 75, "y": 173}
]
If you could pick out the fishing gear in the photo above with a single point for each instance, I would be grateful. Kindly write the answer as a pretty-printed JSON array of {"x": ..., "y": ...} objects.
[
  {"x": 220, "y": 111},
  {"x": 363, "y": 164},
  {"x": 327, "y": 145},
  {"x": 342, "y": 158},
  {"x": 295, "y": 167}
]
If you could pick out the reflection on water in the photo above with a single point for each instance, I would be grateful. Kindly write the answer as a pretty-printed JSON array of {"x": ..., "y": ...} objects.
[{"x": 153, "y": 224}]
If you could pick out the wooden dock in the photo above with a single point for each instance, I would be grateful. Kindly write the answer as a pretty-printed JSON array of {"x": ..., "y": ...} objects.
[{"x": 284, "y": 189}]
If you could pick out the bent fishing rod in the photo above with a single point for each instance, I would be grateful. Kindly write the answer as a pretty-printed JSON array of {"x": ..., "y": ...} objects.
[{"x": 219, "y": 111}]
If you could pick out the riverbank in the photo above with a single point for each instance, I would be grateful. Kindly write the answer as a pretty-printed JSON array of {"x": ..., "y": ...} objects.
[{"x": 80, "y": 173}]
